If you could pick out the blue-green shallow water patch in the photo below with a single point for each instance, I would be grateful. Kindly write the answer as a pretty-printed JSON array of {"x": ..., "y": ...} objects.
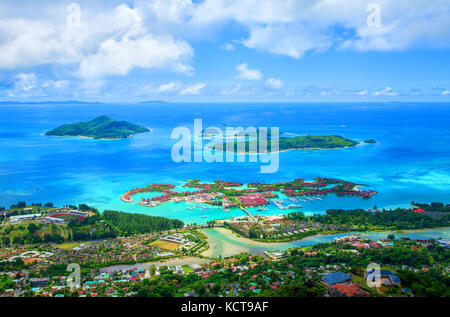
[
  {"x": 224, "y": 243},
  {"x": 410, "y": 161}
]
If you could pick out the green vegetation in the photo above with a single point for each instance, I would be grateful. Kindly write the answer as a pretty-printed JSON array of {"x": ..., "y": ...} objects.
[
  {"x": 100, "y": 128},
  {"x": 439, "y": 207},
  {"x": 299, "y": 143},
  {"x": 398, "y": 219},
  {"x": 370, "y": 141},
  {"x": 5, "y": 283},
  {"x": 166, "y": 245},
  {"x": 426, "y": 284},
  {"x": 131, "y": 224},
  {"x": 110, "y": 224},
  {"x": 227, "y": 283}
]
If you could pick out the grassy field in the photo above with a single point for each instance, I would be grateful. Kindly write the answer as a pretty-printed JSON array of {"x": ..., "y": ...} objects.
[
  {"x": 68, "y": 245},
  {"x": 166, "y": 245},
  {"x": 187, "y": 269}
]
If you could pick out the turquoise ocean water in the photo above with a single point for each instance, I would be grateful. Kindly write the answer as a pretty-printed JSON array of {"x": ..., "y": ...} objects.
[{"x": 410, "y": 162}]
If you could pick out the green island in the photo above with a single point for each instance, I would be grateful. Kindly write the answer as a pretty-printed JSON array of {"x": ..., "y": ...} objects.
[
  {"x": 101, "y": 127},
  {"x": 370, "y": 141},
  {"x": 133, "y": 255},
  {"x": 305, "y": 142}
]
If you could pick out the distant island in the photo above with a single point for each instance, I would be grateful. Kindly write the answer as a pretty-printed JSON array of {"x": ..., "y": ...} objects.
[
  {"x": 371, "y": 141},
  {"x": 305, "y": 142},
  {"x": 102, "y": 127}
]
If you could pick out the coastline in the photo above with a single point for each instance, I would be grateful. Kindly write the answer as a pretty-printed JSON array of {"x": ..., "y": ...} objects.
[
  {"x": 94, "y": 138},
  {"x": 86, "y": 137},
  {"x": 233, "y": 236},
  {"x": 295, "y": 149}
]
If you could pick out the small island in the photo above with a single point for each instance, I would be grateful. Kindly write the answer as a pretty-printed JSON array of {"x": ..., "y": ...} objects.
[
  {"x": 371, "y": 141},
  {"x": 305, "y": 142},
  {"x": 101, "y": 128}
]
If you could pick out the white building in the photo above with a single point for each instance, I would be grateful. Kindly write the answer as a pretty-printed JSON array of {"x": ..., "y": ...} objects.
[{"x": 16, "y": 219}]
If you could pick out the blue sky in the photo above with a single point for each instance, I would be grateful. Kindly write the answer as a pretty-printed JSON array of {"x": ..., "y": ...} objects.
[{"x": 225, "y": 50}]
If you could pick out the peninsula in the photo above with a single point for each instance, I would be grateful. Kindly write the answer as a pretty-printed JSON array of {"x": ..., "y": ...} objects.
[
  {"x": 102, "y": 127},
  {"x": 305, "y": 142}
]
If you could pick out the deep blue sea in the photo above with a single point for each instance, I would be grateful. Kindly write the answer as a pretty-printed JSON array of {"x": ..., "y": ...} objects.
[{"x": 410, "y": 162}]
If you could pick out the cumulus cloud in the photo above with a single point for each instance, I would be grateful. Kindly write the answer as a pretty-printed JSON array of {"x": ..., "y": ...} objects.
[
  {"x": 445, "y": 93},
  {"x": 112, "y": 41},
  {"x": 120, "y": 57},
  {"x": 292, "y": 28},
  {"x": 364, "y": 92},
  {"x": 58, "y": 84},
  {"x": 246, "y": 73},
  {"x": 274, "y": 83},
  {"x": 387, "y": 91},
  {"x": 25, "y": 82},
  {"x": 169, "y": 87},
  {"x": 195, "y": 89},
  {"x": 295, "y": 27}
]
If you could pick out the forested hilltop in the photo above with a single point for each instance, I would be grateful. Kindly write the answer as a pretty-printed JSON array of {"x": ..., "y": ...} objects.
[
  {"x": 102, "y": 127},
  {"x": 305, "y": 142}
]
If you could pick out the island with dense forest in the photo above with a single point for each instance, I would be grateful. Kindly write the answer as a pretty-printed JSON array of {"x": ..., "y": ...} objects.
[
  {"x": 305, "y": 142},
  {"x": 102, "y": 127}
]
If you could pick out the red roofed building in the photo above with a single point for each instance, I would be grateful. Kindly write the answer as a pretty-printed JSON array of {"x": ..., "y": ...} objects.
[{"x": 346, "y": 290}]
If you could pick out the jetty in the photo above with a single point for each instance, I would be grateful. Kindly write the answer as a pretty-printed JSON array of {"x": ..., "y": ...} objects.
[{"x": 248, "y": 213}]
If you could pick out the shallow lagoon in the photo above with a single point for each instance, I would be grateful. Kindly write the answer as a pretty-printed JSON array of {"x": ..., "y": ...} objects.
[
  {"x": 411, "y": 161},
  {"x": 224, "y": 243}
]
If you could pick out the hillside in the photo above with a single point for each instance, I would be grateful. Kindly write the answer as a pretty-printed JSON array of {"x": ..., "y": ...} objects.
[
  {"x": 102, "y": 127},
  {"x": 306, "y": 142}
]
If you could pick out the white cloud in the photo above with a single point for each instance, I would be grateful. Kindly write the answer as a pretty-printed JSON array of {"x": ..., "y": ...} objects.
[
  {"x": 286, "y": 40},
  {"x": 445, "y": 93},
  {"x": 227, "y": 47},
  {"x": 274, "y": 83},
  {"x": 234, "y": 90},
  {"x": 169, "y": 87},
  {"x": 364, "y": 92},
  {"x": 246, "y": 73},
  {"x": 112, "y": 41},
  {"x": 195, "y": 89},
  {"x": 290, "y": 28},
  {"x": 58, "y": 84},
  {"x": 25, "y": 82},
  {"x": 120, "y": 57},
  {"x": 295, "y": 27},
  {"x": 387, "y": 91}
]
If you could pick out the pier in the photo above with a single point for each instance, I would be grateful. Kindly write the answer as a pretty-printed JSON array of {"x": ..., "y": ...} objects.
[{"x": 248, "y": 213}]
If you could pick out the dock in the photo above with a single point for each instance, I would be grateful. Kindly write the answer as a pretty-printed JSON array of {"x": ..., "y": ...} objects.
[{"x": 248, "y": 213}]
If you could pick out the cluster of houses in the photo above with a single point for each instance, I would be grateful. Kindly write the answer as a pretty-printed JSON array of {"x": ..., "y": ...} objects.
[
  {"x": 181, "y": 239},
  {"x": 253, "y": 200},
  {"x": 275, "y": 227},
  {"x": 355, "y": 240},
  {"x": 56, "y": 216}
]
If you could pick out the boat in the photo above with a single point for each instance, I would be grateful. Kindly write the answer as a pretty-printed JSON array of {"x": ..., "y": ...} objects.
[{"x": 203, "y": 216}]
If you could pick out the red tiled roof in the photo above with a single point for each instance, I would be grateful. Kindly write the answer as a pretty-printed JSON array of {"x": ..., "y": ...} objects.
[{"x": 348, "y": 290}]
